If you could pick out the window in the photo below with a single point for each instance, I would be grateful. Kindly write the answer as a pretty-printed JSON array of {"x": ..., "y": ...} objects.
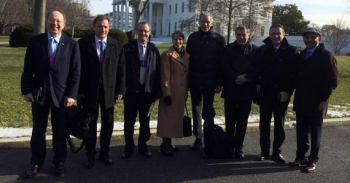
[
  {"x": 175, "y": 27},
  {"x": 161, "y": 28},
  {"x": 169, "y": 28},
  {"x": 156, "y": 10},
  {"x": 175, "y": 8},
  {"x": 169, "y": 9},
  {"x": 162, "y": 10},
  {"x": 183, "y": 7}
]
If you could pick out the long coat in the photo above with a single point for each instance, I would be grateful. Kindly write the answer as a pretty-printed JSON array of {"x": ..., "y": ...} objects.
[
  {"x": 317, "y": 78},
  {"x": 174, "y": 83},
  {"x": 112, "y": 68}
]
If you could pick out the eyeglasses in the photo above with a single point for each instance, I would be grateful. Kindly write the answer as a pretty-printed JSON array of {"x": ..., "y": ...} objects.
[
  {"x": 145, "y": 31},
  {"x": 55, "y": 21}
]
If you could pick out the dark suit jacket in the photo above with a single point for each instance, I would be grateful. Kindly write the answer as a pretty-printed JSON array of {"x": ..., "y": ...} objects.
[
  {"x": 238, "y": 61},
  {"x": 112, "y": 68},
  {"x": 133, "y": 68},
  {"x": 62, "y": 77}
]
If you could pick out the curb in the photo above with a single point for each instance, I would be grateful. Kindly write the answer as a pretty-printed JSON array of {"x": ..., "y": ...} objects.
[{"x": 24, "y": 142}]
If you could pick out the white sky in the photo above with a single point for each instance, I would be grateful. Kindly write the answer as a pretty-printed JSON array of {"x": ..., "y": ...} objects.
[{"x": 319, "y": 12}]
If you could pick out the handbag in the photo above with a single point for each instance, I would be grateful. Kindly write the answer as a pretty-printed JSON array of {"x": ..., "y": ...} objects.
[
  {"x": 187, "y": 127},
  {"x": 78, "y": 126}
]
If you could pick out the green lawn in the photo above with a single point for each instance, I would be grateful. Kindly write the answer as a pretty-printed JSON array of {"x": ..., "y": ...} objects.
[
  {"x": 14, "y": 112},
  {"x": 4, "y": 38}
]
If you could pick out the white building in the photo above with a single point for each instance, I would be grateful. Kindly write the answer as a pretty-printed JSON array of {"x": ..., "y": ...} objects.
[{"x": 165, "y": 16}]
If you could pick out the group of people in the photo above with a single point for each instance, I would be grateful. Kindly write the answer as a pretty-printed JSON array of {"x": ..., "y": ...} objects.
[{"x": 98, "y": 70}]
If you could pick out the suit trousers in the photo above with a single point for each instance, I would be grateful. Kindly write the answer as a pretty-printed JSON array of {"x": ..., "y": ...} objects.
[
  {"x": 305, "y": 126},
  {"x": 134, "y": 103},
  {"x": 107, "y": 125},
  {"x": 202, "y": 107},
  {"x": 236, "y": 120},
  {"x": 278, "y": 109},
  {"x": 59, "y": 118}
]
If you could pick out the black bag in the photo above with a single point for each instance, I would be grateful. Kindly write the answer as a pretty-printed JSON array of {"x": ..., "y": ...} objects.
[
  {"x": 219, "y": 144},
  {"x": 78, "y": 126},
  {"x": 187, "y": 127}
]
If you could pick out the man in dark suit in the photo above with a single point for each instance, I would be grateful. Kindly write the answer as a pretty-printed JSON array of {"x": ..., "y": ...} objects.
[
  {"x": 102, "y": 82},
  {"x": 52, "y": 64},
  {"x": 239, "y": 86},
  {"x": 142, "y": 88},
  {"x": 275, "y": 85}
]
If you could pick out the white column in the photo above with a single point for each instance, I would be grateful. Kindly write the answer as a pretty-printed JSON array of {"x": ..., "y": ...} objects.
[
  {"x": 113, "y": 20},
  {"x": 133, "y": 18},
  {"x": 122, "y": 19},
  {"x": 118, "y": 15},
  {"x": 150, "y": 17},
  {"x": 126, "y": 16}
]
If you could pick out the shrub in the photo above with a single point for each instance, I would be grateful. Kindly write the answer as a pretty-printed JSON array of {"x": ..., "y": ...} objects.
[
  {"x": 118, "y": 35},
  {"x": 21, "y": 35}
]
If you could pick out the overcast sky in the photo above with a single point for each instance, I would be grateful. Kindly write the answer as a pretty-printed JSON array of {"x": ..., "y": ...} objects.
[{"x": 319, "y": 12}]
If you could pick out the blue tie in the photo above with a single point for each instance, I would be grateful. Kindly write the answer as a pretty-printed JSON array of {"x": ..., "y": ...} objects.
[
  {"x": 101, "y": 51},
  {"x": 308, "y": 54},
  {"x": 52, "y": 49}
]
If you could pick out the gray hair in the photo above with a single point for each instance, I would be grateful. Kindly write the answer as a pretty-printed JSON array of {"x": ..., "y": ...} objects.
[{"x": 206, "y": 14}]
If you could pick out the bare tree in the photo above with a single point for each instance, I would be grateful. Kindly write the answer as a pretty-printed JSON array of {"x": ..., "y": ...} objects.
[
  {"x": 339, "y": 36},
  {"x": 138, "y": 9},
  {"x": 76, "y": 12},
  {"x": 12, "y": 14},
  {"x": 231, "y": 5}
]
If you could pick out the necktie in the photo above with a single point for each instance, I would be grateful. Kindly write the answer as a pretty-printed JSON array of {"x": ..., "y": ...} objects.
[
  {"x": 52, "y": 47},
  {"x": 308, "y": 54},
  {"x": 101, "y": 51},
  {"x": 142, "y": 55}
]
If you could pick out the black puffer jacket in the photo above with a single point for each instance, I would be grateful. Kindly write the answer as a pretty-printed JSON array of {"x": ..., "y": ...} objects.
[{"x": 205, "y": 51}]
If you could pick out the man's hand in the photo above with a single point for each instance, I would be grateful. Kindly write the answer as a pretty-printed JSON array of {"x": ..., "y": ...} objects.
[
  {"x": 68, "y": 102},
  {"x": 119, "y": 97},
  {"x": 241, "y": 79},
  {"x": 28, "y": 97},
  {"x": 284, "y": 96},
  {"x": 218, "y": 89},
  {"x": 168, "y": 100}
]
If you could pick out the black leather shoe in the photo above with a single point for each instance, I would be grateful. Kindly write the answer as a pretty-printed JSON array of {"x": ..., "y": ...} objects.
[
  {"x": 278, "y": 158},
  {"x": 239, "y": 155},
  {"x": 263, "y": 157},
  {"x": 196, "y": 144},
  {"x": 174, "y": 148},
  {"x": 59, "y": 169},
  {"x": 89, "y": 163},
  {"x": 146, "y": 153},
  {"x": 106, "y": 160},
  {"x": 33, "y": 171},
  {"x": 166, "y": 151},
  {"x": 126, "y": 155}
]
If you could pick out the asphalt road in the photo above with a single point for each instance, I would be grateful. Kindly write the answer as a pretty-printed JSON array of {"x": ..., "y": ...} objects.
[{"x": 188, "y": 166}]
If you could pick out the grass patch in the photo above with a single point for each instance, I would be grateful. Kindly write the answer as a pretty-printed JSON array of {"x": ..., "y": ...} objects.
[
  {"x": 4, "y": 38},
  {"x": 14, "y": 112}
]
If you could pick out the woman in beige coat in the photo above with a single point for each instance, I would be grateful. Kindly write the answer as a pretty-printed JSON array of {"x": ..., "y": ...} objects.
[{"x": 174, "y": 81}]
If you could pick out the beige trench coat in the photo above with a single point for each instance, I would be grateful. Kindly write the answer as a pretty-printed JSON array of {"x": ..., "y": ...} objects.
[{"x": 174, "y": 83}]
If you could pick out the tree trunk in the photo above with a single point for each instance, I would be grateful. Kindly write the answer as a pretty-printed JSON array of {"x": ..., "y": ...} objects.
[
  {"x": 73, "y": 31},
  {"x": 230, "y": 10},
  {"x": 39, "y": 17}
]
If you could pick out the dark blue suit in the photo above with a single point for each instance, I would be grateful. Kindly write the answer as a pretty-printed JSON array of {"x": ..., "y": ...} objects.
[{"x": 62, "y": 79}]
